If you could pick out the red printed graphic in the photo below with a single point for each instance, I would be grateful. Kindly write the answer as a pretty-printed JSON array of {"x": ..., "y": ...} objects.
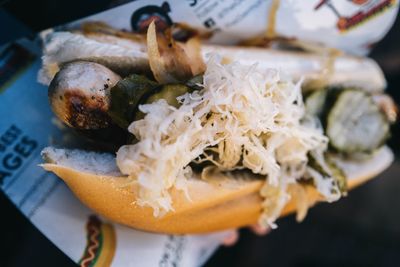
[
  {"x": 100, "y": 247},
  {"x": 346, "y": 23}
]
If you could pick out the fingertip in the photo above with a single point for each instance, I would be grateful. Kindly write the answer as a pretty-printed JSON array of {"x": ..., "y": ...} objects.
[
  {"x": 260, "y": 230},
  {"x": 231, "y": 239}
]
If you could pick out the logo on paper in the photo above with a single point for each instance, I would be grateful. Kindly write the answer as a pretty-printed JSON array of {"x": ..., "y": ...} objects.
[
  {"x": 100, "y": 243},
  {"x": 366, "y": 10},
  {"x": 143, "y": 16}
]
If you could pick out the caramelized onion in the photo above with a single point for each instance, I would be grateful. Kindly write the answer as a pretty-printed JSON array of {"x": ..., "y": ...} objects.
[
  {"x": 169, "y": 61},
  {"x": 192, "y": 49}
]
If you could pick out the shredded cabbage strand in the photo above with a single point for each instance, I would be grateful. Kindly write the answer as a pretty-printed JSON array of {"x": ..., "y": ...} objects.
[{"x": 242, "y": 118}]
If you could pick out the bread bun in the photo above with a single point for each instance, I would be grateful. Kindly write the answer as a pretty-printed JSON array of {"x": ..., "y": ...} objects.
[
  {"x": 125, "y": 56},
  {"x": 222, "y": 203}
]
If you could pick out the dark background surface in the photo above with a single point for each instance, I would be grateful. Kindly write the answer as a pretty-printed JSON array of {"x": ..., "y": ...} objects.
[{"x": 361, "y": 230}]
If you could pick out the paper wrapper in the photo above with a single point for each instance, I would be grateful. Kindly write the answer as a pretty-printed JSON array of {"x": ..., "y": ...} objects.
[
  {"x": 27, "y": 123},
  {"x": 26, "y": 128},
  {"x": 353, "y": 26}
]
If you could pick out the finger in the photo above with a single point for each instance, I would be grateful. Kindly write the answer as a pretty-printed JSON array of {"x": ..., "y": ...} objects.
[
  {"x": 231, "y": 239},
  {"x": 260, "y": 230}
]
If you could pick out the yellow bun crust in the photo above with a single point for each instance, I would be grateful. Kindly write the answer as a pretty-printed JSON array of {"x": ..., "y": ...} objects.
[{"x": 221, "y": 204}]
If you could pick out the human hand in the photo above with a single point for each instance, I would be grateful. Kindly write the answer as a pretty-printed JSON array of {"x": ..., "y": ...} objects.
[{"x": 233, "y": 236}]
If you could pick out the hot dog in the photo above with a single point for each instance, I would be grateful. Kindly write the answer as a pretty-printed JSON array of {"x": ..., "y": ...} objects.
[{"x": 213, "y": 142}]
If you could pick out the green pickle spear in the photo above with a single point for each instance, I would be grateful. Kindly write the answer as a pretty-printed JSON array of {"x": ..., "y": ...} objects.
[{"x": 126, "y": 96}]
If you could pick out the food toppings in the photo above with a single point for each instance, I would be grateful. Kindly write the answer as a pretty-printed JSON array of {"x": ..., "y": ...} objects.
[
  {"x": 230, "y": 116},
  {"x": 352, "y": 118},
  {"x": 170, "y": 61},
  {"x": 252, "y": 119},
  {"x": 125, "y": 97}
]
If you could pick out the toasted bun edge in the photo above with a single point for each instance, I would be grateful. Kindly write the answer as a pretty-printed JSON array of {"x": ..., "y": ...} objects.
[{"x": 223, "y": 204}]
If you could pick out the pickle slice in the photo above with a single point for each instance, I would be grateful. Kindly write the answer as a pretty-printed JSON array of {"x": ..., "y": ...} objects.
[
  {"x": 169, "y": 93},
  {"x": 126, "y": 96},
  {"x": 195, "y": 82},
  {"x": 354, "y": 123},
  {"x": 315, "y": 102},
  {"x": 330, "y": 171}
]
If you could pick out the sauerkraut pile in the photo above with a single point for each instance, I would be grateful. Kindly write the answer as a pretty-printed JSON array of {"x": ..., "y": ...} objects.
[{"x": 242, "y": 118}]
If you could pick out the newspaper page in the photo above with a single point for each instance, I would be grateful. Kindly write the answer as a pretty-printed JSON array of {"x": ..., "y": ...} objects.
[{"x": 26, "y": 127}]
